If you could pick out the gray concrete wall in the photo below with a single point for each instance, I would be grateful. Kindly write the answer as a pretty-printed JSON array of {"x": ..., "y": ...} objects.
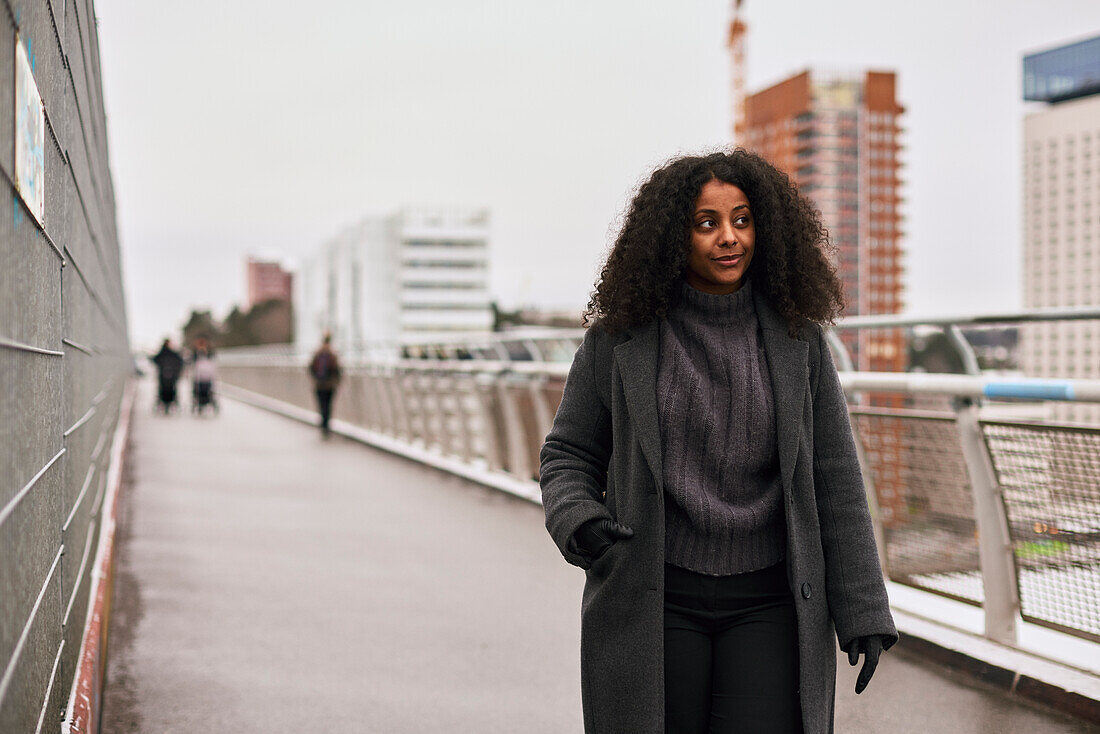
[{"x": 63, "y": 359}]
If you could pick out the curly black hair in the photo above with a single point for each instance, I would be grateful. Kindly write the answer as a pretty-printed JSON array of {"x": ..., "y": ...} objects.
[{"x": 791, "y": 264}]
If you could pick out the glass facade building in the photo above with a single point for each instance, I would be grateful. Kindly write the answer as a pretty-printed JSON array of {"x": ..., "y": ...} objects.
[{"x": 1062, "y": 73}]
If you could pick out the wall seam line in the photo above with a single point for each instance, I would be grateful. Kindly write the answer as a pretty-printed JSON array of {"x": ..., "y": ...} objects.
[
  {"x": 9, "y": 672},
  {"x": 10, "y": 507}
]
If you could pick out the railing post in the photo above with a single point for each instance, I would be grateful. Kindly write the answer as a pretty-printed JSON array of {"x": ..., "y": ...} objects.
[
  {"x": 544, "y": 419},
  {"x": 396, "y": 385},
  {"x": 432, "y": 409},
  {"x": 517, "y": 456},
  {"x": 995, "y": 553},
  {"x": 448, "y": 401},
  {"x": 376, "y": 416},
  {"x": 962, "y": 346},
  {"x": 485, "y": 386},
  {"x": 465, "y": 397},
  {"x": 385, "y": 423},
  {"x": 843, "y": 357}
]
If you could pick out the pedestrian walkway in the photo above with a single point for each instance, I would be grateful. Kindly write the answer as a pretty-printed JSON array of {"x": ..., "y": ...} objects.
[{"x": 269, "y": 581}]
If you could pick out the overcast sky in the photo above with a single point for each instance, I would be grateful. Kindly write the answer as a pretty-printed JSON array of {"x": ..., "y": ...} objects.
[{"x": 243, "y": 127}]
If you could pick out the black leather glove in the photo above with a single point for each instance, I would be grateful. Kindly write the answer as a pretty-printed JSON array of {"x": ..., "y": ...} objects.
[
  {"x": 871, "y": 646},
  {"x": 596, "y": 536}
]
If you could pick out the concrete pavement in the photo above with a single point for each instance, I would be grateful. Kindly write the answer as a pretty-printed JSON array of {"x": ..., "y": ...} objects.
[{"x": 269, "y": 581}]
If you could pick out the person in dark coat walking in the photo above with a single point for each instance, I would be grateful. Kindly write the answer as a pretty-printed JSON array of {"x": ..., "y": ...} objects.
[
  {"x": 169, "y": 364},
  {"x": 324, "y": 368},
  {"x": 701, "y": 467}
]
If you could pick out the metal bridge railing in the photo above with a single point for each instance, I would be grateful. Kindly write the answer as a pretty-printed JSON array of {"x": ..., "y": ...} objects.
[
  {"x": 1000, "y": 513},
  {"x": 1049, "y": 478}
]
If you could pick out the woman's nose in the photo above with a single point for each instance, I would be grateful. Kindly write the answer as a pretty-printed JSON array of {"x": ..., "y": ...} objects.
[{"x": 729, "y": 234}]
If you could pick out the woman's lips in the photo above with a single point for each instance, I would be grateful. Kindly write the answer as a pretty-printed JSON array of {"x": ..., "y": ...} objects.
[{"x": 728, "y": 259}]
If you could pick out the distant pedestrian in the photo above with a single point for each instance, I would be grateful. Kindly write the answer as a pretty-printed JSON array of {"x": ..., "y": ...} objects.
[
  {"x": 203, "y": 375},
  {"x": 169, "y": 364},
  {"x": 324, "y": 368}
]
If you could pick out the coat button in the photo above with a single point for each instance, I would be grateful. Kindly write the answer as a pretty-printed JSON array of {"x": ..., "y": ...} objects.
[{"x": 805, "y": 591}]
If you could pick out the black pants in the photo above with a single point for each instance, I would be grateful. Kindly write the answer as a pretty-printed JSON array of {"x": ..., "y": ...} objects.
[
  {"x": 731, "y": 653},
  {"x": 167, "y": 392},
  {"x": 324, "y": 405}
]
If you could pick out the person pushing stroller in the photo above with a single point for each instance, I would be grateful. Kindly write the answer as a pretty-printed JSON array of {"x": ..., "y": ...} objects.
[{"x": 169, "y": 367}]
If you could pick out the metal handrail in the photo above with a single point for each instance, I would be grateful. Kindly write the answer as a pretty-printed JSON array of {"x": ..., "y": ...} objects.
[
  {"x": 887, "y": 321},
  {"x": 973, "y": 386}
]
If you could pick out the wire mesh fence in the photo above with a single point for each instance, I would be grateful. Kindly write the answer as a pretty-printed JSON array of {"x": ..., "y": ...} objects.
[
  {"x": 1050, "y": 482},
  {"x": 925, "y": 503}
]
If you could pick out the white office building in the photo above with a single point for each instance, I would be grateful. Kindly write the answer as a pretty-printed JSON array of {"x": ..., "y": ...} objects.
[
  {"x": 416, "y": 276},
  {"x": 1062, "y": 212}
]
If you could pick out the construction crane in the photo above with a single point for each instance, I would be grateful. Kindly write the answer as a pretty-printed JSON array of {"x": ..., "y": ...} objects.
[{"x": 736, "y": 45}]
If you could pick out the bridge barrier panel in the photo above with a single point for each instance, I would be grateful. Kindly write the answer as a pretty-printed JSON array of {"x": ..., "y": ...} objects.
[
  {"x": 1049, "y": 476},
  {"x": 926, "y": 505}
]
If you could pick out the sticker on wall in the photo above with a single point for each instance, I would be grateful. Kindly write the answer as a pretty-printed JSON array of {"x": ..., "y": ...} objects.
[{"x": 30, "y": 136}]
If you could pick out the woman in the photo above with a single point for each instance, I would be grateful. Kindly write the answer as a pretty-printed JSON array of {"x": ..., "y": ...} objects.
[{"x": 701, "y": 467}]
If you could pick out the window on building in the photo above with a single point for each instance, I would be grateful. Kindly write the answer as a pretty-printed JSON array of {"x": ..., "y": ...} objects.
[{"x": 448, "y": 264}]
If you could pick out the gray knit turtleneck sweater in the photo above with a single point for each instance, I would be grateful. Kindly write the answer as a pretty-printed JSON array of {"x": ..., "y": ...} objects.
[{"x": 723, "y": 496}]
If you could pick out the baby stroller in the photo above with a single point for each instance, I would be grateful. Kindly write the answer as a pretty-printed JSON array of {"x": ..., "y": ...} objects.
[{"x": 203, "y": 374}]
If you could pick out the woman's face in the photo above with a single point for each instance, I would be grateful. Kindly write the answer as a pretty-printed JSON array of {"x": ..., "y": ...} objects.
[{"x": 722, "y": 239}]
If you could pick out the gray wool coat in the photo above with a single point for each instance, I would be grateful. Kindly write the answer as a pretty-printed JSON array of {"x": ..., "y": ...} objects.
[{"x": 602, "y": 458}]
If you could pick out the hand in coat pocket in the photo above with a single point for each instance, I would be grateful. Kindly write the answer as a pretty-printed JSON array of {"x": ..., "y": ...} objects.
[{"x": 594, "y": 537}]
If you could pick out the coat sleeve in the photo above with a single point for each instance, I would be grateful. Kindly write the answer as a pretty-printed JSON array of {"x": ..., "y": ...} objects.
[
  {"x": 853, "y": 576},
  {"x": 574, "y": 459}
]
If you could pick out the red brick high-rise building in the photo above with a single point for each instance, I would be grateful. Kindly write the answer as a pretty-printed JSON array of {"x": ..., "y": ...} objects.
[
  {"x": 837, "y": 137},
  {"x": 267, "y": 281}
]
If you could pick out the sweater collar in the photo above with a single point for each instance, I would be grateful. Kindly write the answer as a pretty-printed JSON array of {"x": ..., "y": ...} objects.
[{"x": 717, "y": 309}]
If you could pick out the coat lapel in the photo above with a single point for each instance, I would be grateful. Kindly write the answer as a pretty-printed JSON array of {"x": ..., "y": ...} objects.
[
  {"x": 788, "y": 366},
  {"x": 637, "y": 360}
]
